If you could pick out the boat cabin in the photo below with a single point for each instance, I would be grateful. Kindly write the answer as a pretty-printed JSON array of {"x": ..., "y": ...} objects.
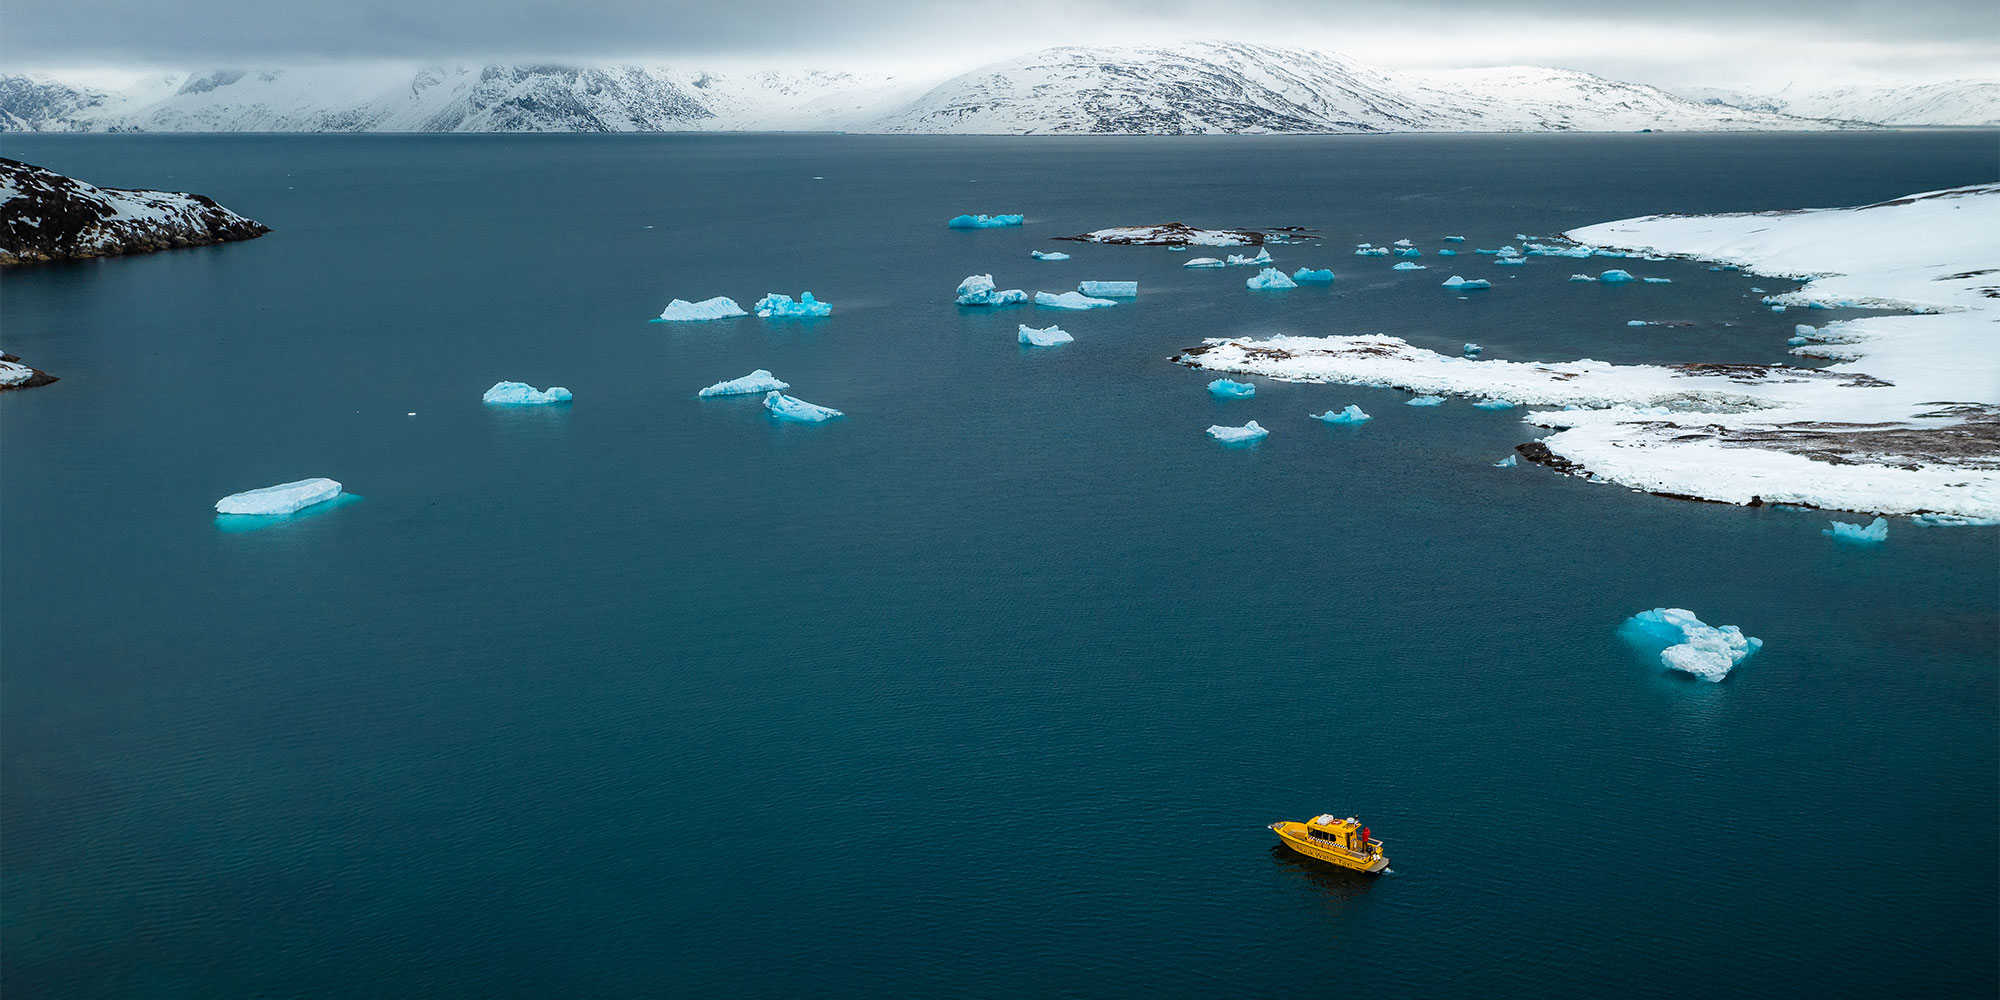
[{"x": 1347, "y": 834}]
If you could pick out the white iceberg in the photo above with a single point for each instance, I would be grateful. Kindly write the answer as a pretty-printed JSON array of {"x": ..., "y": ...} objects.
[
  {"x": 1403, "y": 243},
  {"x": 786, "y": 408},
  {"x": 1641, "y": 322},
  {"x": 1875, "y": 531},
  {"x": 1048, "y": 255},
  {"x": 1508, "y": 462},
  {"x": 281, "y": 499},
  {"x": 523, "y": 394},
  {"x": 1615, "y": 276},
  {"x": 1408, "y": 266},
  {"x": 1048, "y": 336},
  {"x": 1688, "y": 644},
  {"x": 757, "y": 381},
  {"x": 983, "y": 221},
  {"x": 1351, "y": 415},
  {"x": 683, "y": 311},
  {"x": 1367, "y": 251},
  {"x": 1316, "y": 276},
  {"x": 1204, "y": 262},
  {"x": 1659, "y": 281},
  {"x": 1458, "y": 282},
  {"x": 782, "y": 306},
  {"x": 1454, "y": 239},
  {"x": 1109, "y": 289},
  {"x": 1237, "y": 435},
  {"x": 1271, "y": 278},
  {"x": 978, "y": 290},
  {"x": 1511, "y": 261},
  {"x": 1230, "y": 389},
  {"x": 1582, "y": 277},
  {"x": 1070, "y": 300},
  {"x": 1263, "y": 257}
]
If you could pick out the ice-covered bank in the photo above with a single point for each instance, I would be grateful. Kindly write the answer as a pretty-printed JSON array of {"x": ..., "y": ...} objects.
[{"x": 1907, "y": 422}]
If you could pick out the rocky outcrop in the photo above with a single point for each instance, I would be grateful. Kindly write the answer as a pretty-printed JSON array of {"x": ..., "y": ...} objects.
[
  {"x": 45, "y": 216},
  {"x": 15, "y": 375}
]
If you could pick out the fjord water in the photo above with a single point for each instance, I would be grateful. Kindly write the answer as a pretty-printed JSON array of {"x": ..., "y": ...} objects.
[{"x": 988, "y": 689}]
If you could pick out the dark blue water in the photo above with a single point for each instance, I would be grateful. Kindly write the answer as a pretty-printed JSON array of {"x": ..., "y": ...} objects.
[{"x": 988, "y": 689}]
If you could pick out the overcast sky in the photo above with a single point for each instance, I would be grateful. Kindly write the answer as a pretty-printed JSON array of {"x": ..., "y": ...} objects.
[{"x": 1754, "y": 45}]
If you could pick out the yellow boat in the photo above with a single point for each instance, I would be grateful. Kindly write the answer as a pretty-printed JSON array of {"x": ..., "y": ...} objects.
[{"x": 1344, "y": 842}]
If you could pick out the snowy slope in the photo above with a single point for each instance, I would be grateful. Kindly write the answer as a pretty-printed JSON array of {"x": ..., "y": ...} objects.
[
  {"x": 1908, "y": 422},
  {"x": 46, "y": 216},
  {"x": 1954, "y": 102},
  {"x": 1188, "y": 88},
  {"x": 1230, "y": 88}
]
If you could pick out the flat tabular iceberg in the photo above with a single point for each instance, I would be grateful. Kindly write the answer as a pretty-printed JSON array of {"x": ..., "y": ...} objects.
[
  {"x": 983, "y": 221},
  {"x": 1271, "y": 278},
  {"x": 757, "y": 381},
  {"x": 786, "y": 408},
  {"x": 1204, "y": 262},
  {"x": 1454, "y": 239},
  {"x": 781, "y": 306},
  {"x": 1070, "y": 300},
  {"x": 1408, "y": 266},
  {"x": 1688, "y": 644},
  {"x": 1319, "y": 276},
  {"x": 683, "y": 311},
  {"x": 523, "y": 394},
  {"x": 1237, "y": 435},
  {"x": 1230, "y": 389},
  {"x": 1351, "y": 415},
  {"x": 1109, "y": 289},
  {"x": 282, "y": 499},
  {"x": 1048, "y": 336},
  {"x": 1263, "y": 257},
  {"x": 1048, "y": 255},
  {"x": 1456, "y": 281},
  {"x": 978, "y": 290},
  {"x": 1875, "y": 531}
]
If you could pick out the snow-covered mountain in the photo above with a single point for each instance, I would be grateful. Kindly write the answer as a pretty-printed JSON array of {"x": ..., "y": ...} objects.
[
  {"x": 1188, "y": 88},
  {"x": 1953, "y": 102}
]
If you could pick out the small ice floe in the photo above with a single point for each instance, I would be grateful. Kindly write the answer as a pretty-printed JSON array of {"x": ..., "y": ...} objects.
[
  {"x": 1952, "y": 521},
  {"x": 1454, "y": 239},
  {"x": 1615, "y": 276},
  {"x": 1494, "y": 404},
  {"x": 978, "y": 290},
  {"x": 1263, "y": 257},
  {"x": 781, "y": 306},
  {"x": 757, "y": 381},
  {"x": 1048, "y": 336},
  {"x": 1659, "y": 281},
  {"x": 1306, "y": 274},
  {"x": 1351, "y": 415},
  {"x": 1508, "y": 462},
  {"x": 1778, "y": 308},
  {"x": 1472, "y": 349},
  {"x": 1270, "y": 278},
  {"x": 1246, "y": 434},
  {"x": 284, "y": 498},
  {"x": 1796, "y": 342},
  {"x": 683, "y": 311},
  {"x": 786, "y": 408},
  {"x": 1223, "y": 388},
  {"x": 1511, "y": 261},
  {"x": 1425, "y": 401},
  {"x": 1408, "y": 266},
  {"x": 523, "y": 394},
  {"x": 1368, "y": 251},
  {"x": 1635, "y": 322},
  {"x": 1757, "y": 290},
  {"x": 984, "y": 221},
  {"x": 1447, "y": 253},
  {"x": 1688, "y": 644},
  {"x": 1409, "y": 252},
  {"x": 1048, "y": 255},
  {"x": 1875, "y": 531},
  {"x": 1582, "y": 277},
  {"x": 1070, "y": 300},
  {"x": 1109, "y": 289},
  {"x": 1204, "y": 262},
  {"x": 1459, "y": 282},
  {"x": 1404, "y": 243}
]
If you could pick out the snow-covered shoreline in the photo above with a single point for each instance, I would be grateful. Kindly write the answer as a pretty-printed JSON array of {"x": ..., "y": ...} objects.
[
  {"x": 46, "y": 216},
  {"x": 1908, "y": 422}
]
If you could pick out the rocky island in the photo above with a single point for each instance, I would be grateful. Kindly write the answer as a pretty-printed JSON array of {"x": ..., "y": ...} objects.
[{"x": 46, "y": 216}]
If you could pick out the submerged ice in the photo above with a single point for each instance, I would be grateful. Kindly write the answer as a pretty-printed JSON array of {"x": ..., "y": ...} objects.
[
  {"x": 787, "y": 408},
  {"x": 1688, "y": 644}
]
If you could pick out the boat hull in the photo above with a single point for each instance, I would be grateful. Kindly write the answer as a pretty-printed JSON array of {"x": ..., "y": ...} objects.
[{"x": 1293, "y": 835}]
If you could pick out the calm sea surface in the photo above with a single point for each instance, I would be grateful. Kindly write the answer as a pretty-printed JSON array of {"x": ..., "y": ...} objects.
[{"x": 988, "y": 689}]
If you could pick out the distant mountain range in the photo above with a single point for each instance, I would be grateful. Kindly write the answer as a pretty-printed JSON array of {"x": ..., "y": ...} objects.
[{"x": 1176, "y": 89}]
